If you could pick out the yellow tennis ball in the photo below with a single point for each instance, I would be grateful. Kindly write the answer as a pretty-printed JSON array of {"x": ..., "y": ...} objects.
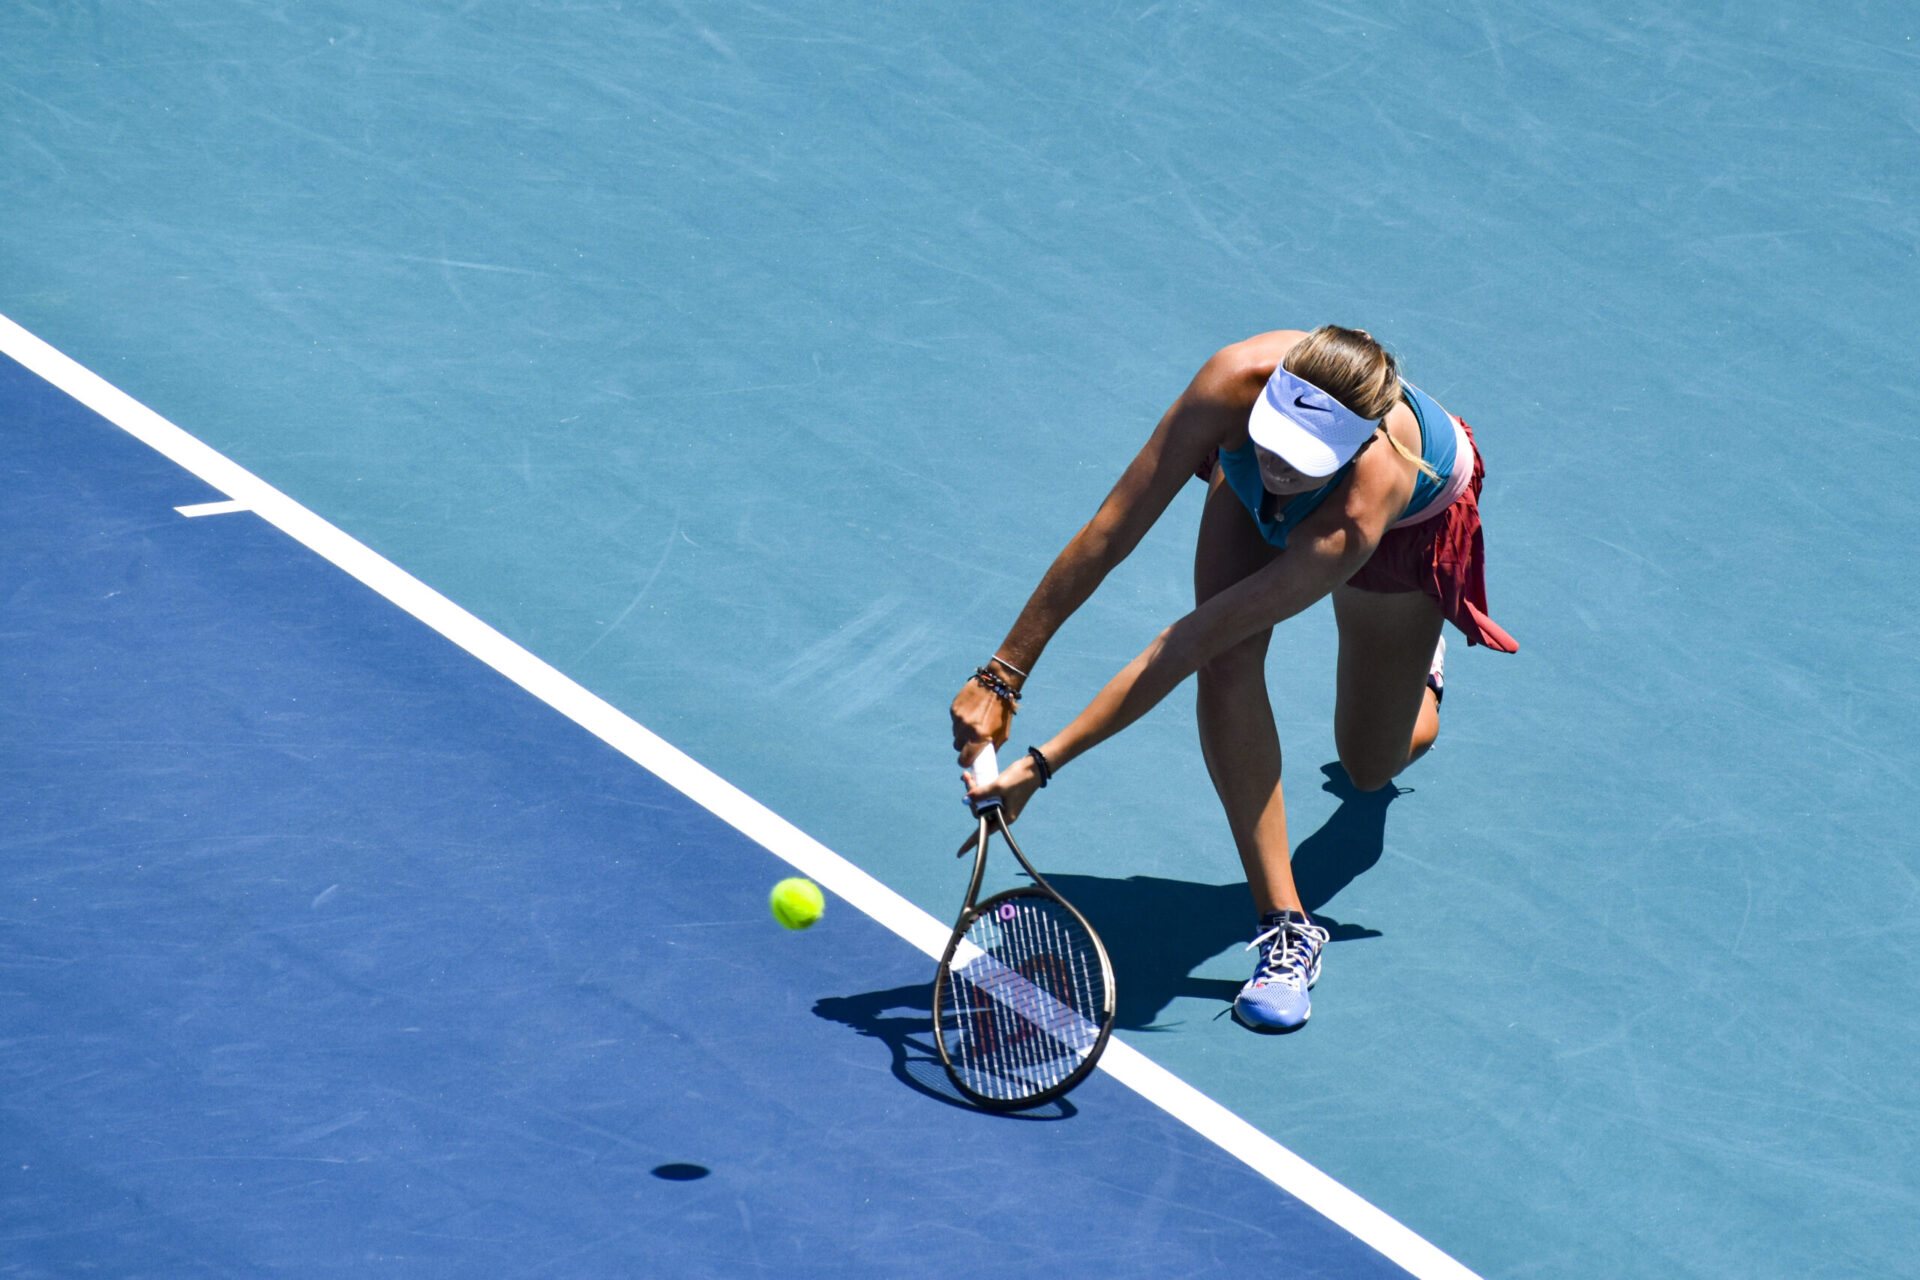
[{"x": 797, "y": 903}]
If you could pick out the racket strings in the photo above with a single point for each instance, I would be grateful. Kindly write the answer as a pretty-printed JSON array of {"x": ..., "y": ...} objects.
[
  {"x": 1025, "y": 1030},
  {"x": 1028, "y": 1008}
]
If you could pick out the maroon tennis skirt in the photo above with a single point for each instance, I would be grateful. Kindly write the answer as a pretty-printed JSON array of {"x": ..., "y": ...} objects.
[{"x": 1446, "y": 558}]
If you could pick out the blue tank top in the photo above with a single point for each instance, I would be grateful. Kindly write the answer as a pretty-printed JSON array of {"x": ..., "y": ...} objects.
[{"x": 1277, "y": 514}]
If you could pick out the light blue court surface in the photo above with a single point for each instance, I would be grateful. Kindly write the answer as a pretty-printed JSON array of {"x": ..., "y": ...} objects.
[{"x": 748, "y": 365}]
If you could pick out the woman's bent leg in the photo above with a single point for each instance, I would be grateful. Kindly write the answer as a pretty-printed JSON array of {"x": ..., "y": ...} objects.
[
  {"x": 1385, "y": 717},
  {"x": 1237, "y": 733}
]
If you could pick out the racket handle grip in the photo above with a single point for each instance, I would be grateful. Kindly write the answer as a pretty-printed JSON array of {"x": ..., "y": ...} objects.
[{"x": 985, "y": 768}]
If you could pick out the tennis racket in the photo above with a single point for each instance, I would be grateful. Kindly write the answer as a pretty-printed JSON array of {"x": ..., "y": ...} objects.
[{"x": 1023, "y": 1002}]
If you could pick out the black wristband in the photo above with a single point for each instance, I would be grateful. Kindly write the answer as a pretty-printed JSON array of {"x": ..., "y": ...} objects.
[{"x": 1040, "y": 763}]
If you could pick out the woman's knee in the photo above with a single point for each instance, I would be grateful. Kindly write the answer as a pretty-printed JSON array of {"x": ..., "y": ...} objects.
[{"x": 1371, "y": 766}]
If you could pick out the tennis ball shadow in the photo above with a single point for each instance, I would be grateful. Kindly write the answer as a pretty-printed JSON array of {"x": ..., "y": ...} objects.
[
  {"x": 681, "y": 1172},
  {"x": 1158, "y": 931},
  {"x": 902, "y": 1019}
]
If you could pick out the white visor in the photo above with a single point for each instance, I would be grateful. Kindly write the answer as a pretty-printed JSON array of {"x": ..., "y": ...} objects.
[{"x": 1311, "y": 431}]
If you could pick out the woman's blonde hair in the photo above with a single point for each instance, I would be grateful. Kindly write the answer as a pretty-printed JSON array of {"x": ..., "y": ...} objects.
[{"x": 1361, "y": 374}]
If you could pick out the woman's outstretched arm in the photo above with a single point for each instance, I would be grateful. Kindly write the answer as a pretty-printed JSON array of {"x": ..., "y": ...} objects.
[
  {"x": 1213, "y": 404},
  {"x": 1325, "y": 550}
]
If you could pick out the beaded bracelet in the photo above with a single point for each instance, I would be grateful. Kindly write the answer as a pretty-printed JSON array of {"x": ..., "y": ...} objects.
[
  {"x": 998, "y": 687},
  {"x": 1040, "y": 763}
]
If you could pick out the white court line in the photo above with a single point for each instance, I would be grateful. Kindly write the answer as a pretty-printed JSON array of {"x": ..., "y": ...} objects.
[
  {"x": 212, "y": 508},
  {"x": 706, "y": 788}
]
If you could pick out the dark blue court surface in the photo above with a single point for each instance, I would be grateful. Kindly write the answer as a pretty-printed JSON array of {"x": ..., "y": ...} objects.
[{"x": 328, "y": 950}]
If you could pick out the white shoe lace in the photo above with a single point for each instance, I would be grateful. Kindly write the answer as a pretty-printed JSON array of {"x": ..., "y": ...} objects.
[{"x": 1292, "y": 954}]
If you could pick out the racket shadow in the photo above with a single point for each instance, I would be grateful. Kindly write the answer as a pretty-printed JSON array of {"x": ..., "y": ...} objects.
[
  {"x": 1157, "y": 930},
  {"x": 1160, "y": 930},
  {"x": 901, "y": 1018}
]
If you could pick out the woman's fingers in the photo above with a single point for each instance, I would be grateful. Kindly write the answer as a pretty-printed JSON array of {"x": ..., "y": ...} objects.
[{"x": 1015, "y": 785}]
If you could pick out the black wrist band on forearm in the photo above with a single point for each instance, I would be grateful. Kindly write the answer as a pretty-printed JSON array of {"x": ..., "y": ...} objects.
[{"x": 1040, "y": 763}]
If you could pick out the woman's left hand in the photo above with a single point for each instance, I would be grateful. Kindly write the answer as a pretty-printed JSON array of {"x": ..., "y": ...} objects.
[{"x": 1015, "y": 786}]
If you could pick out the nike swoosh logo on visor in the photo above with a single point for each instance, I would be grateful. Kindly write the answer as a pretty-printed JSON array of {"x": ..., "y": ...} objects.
[{"x": 1304, "y": 405}]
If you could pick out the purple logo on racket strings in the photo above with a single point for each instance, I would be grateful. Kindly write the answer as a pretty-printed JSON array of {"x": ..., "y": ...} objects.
[{"x": 1007, "y": 911}]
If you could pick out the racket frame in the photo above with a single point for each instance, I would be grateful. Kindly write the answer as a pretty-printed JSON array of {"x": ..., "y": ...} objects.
[{"x": 991, "y": 817}]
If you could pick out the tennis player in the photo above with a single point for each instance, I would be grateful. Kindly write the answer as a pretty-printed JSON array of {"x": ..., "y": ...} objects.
[{"x": 1327, "y": 476}]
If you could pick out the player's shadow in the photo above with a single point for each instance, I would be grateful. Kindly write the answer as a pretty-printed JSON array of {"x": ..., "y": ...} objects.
[
  {"x": 902, "y": 1019},
  {"x": 1159, "y": 931}
]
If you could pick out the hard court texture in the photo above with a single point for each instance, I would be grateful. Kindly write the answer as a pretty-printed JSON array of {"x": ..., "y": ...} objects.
[
  {"x": 328, "y": 949},
  {"x": 750, "y": 364}
]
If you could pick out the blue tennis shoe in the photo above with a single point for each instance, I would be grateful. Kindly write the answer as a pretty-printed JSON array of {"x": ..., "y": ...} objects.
[{"x": 1276, "y": 996}]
